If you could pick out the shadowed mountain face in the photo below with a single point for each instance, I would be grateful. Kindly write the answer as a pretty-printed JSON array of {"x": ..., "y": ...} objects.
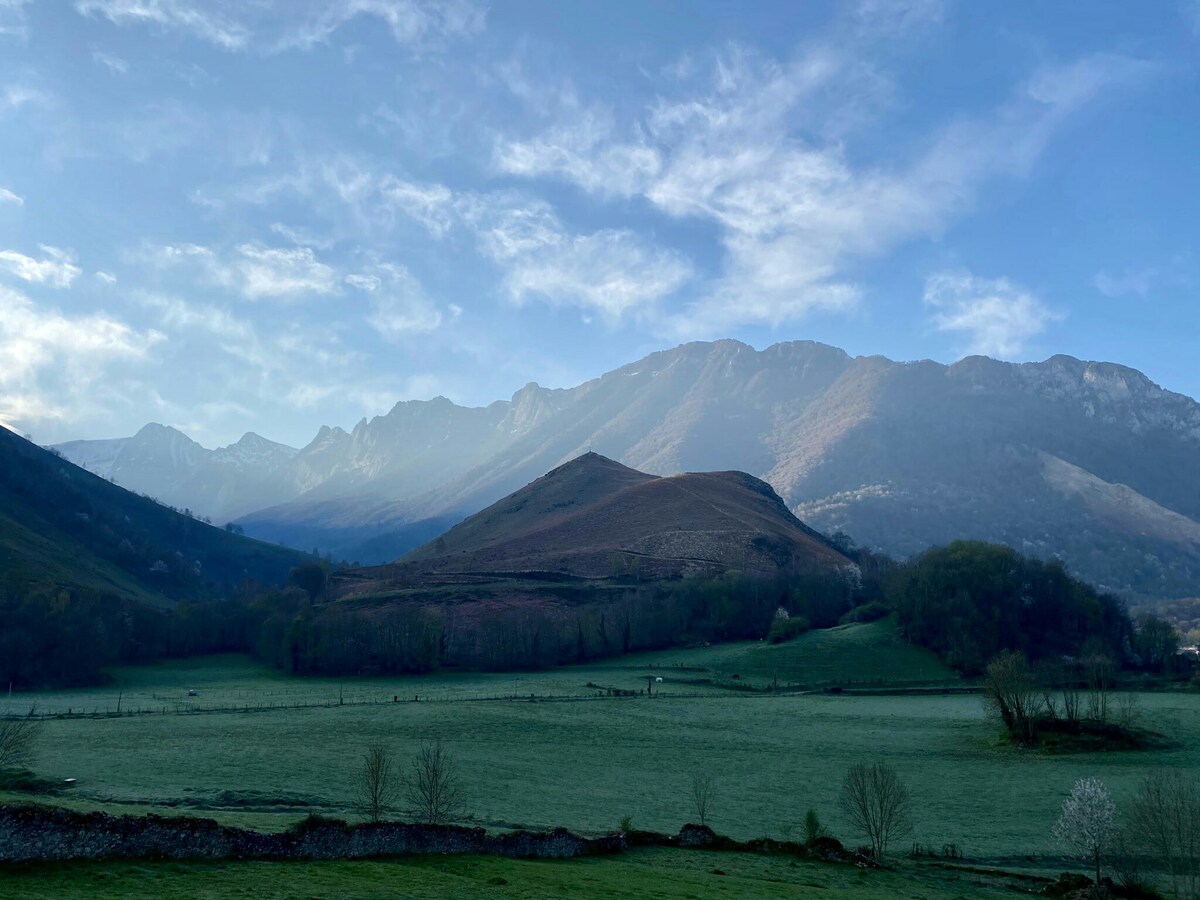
[
  {"x": 593, "y": 518},
  {"x": 1090, "y": 462},
  {"x": 64, "y": 528}
]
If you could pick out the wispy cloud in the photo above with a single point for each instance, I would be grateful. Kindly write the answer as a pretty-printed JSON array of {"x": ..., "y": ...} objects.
[
  {"x": 792, "y": 210},
  {"x": 284, "y": 24},
  {"x": 205, "y": 20},
  {"x": 399, "y": 305},
  {"x": 16, "y": 96},
  {"x": 13, "y": 23},
  {"x": 114, "y": 64},
  {"x": 997, "y": 316},
  {"x": 56, "y": 269},
  {"x": 9, "y": 198},
  {"x": 1136, "y": 283},
  {"x": 52, "y": 359},
  {"x": 254, "y": 271}
]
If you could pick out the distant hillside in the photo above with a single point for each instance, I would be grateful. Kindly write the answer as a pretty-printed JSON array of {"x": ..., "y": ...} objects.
[
  {"x": 1085, "y": 461},
  {"x": 61, "y": 524},
  {"x": 593, "y": 517},
  {"x": 590, "y": 560}
]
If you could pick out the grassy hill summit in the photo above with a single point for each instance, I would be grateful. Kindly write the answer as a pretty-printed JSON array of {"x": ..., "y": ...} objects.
[{"x": 593, "y": 515}]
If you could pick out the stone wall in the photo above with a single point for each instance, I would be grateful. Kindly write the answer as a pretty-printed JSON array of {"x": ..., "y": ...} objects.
[{"x": 33, "y": 833}]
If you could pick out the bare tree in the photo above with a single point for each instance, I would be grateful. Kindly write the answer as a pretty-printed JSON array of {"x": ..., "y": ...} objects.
[
  {"x": 17, "y": 739},
  {"x": 377, "y": 785},
  {"x": 432, "y": 785},
  {"x": 1011, "y": 691},
  {"x": 876, "y": 802},
  {"x": 702, "y": 795},
  {"x": 1099, "y": 670},
  {"x": 1128, "y": 709},
  {"x": 1166, "y": 817},
  {"x": 1088, "y": 821},
  {"x": 1070, "y": 697}
]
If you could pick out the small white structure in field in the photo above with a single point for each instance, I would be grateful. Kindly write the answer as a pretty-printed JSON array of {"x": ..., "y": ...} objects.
[{"x": 658, "y": 680}]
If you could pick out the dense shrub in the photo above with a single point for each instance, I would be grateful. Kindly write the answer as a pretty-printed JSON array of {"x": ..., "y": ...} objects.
[
  {"x": 970, "y": 600},
  {"x": 785, "y": 629},
  {"x": 868, "y": 612}
]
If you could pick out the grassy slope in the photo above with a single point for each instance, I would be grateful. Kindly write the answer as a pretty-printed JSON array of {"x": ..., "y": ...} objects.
[
  {"x": 640, "y": 874},
  {"x": 863, "y": 654},
  {"x": 36, "y": 546}
]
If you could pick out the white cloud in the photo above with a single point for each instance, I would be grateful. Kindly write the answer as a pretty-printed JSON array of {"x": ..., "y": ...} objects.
[
  {"x": 1136, "y": 283},
  {"x": 301, "y": 236},
  {"x": 399, "y": 305},
  {"x": 996, "y": 315},
  {"x": 412, "y": 22},
  {"x": 202, "y": 18},
  {"x": 612, "y": 272},
  {"x": 50, "y": 354},
  {"x": 15, "y": 96},
  {"x": 743, "y": 148},
  {"x": 253, "y": 270},
  {"x": 114, "y": 64},
  {"x": 8, "y": 197},
  {"x": 12, "y": 19},
  {"x": 56, "y": 269},
  {"x": 106, "y": 277},
  {"x": 276, "y": 25},
  {"x": 429, "y": 204},
  {"x": 270, "y": 272}
]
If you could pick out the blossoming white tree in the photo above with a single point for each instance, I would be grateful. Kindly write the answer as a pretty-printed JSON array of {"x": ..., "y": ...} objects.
[{"x": 1088, "y": 821}]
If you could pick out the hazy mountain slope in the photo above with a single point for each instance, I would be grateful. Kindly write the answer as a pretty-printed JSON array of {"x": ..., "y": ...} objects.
[
  {"x": 61, "y": 524},
  {"x": 164, "y": 463},
  {"x": 899, "y": 455}
]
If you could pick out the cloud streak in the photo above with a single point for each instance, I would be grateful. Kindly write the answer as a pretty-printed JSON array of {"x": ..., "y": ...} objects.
[
  {"x": 291, "y": 24},
  {"x": 56, "y": 269},
  {"x": 997, "y": 316}
]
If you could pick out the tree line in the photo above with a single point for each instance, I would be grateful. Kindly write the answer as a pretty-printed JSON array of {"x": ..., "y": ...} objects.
[{"x": 967, "y": 602}]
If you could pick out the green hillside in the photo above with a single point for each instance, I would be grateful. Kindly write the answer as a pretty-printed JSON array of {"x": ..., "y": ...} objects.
[
  {"x": 60, "y": 524},
  {"x": 89, "y": 571},
  {"x": 857, "y": 654}
]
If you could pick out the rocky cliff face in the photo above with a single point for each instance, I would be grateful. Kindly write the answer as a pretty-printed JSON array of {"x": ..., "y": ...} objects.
[{"x": 899, "y": 455}]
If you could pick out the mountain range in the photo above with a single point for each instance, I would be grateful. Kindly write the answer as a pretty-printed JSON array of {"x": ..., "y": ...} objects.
[{"x": 1090, "y": 462}]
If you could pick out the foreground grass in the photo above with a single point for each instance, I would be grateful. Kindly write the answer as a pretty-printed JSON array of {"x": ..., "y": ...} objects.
[{"x": 639, "y": 874}]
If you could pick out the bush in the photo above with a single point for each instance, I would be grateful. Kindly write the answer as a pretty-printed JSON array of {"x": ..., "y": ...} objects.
[
  {"x": 785, "y": 629},
  {"x": 813, "y": 829},
  {"x": 868, "y": 612}
]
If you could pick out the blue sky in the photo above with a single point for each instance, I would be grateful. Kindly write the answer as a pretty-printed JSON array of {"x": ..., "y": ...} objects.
[{"x": 268, "y": 216}]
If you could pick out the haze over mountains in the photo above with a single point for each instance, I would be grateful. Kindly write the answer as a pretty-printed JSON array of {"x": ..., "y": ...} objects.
[{"x": 1091, "y": 462}]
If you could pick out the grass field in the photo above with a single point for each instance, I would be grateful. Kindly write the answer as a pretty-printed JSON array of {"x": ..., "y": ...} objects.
[
  {"x": 639, "y": 875},
  {"x": 586, "y": 763}
]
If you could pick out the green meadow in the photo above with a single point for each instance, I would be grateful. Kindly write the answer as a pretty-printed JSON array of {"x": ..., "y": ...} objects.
[
  {"x": 249, "y": 749},
  {"x": 637, "y": 875}
]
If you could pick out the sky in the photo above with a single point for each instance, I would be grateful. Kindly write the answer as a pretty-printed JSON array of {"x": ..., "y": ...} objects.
[{"x": 269, "y": 216}]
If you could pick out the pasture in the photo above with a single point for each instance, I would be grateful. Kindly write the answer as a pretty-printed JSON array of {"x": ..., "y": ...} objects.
[
  {"x": 638, "y": 875},
  {"x": 258, "y": 749}
]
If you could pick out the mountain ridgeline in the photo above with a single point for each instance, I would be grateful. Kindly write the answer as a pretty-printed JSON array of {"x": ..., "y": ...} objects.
[{"x": 1090, "y": 463}]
